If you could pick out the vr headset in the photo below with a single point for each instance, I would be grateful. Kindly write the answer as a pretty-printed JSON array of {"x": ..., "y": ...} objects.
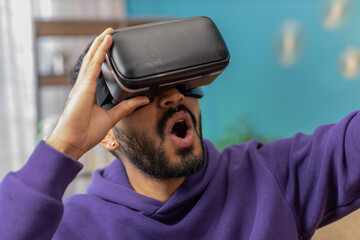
[{"x": 148, "y": 59}]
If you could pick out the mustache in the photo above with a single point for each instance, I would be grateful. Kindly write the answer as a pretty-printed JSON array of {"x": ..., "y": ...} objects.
[{"x": 171, "y": 111}]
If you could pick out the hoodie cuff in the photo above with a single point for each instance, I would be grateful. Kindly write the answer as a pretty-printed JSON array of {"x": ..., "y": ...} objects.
[{"x": 49, "y": 171}]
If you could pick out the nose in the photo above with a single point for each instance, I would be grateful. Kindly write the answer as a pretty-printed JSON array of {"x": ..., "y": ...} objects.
[{"x": 170, "y": 98}]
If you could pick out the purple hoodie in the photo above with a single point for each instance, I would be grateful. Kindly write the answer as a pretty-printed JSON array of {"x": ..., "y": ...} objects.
[{"x": 282, "y": 190}]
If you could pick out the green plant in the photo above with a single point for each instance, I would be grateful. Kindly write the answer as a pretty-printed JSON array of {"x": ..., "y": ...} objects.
[{"x": 239, "y": 132}]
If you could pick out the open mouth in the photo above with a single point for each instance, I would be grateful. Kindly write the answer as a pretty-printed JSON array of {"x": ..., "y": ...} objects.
[{"x": 179, "y": 129}]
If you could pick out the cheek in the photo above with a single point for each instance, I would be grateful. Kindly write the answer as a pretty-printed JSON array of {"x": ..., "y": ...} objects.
[
  {"x": 141, "y": 121},
  {"x": 195, "y": 105},
  {"x": 195, "y": 109}
]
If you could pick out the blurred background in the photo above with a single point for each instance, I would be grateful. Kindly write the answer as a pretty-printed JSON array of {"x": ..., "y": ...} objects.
[{"x": 295, "y": 65}]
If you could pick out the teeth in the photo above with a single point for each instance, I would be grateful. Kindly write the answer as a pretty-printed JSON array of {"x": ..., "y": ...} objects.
[{"x": 180, "y": 121}]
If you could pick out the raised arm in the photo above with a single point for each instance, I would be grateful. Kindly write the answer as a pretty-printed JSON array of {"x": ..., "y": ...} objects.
[
  {"x": 30, "y": 199},
  {"x": 319, "y": 174}
]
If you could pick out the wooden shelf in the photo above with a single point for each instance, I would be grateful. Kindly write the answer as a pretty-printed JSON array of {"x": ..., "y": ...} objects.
[
  {"x": 76, "y": 28},
  {"x": 81, "y": 28},
  {"x": 53, "y": 80}
]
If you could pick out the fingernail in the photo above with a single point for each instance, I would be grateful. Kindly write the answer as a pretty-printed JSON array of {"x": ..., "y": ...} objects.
[
  {"x": 146, "y": 101},
  {"x": 107, "y": 31},
  {"x": 103, "y": 34}
]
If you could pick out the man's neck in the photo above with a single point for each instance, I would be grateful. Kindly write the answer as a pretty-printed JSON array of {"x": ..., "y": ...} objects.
[{"x": 159, "y": 189}]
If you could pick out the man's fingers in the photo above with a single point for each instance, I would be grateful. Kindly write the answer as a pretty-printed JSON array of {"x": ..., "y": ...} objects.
[
  {"x": 126, "y": 107},
  {"x": 95, "y": 45},
  {"x": 101, "y": 44},
  {"x": 91, "y": 65},
  {"x": 99, "y": 55},
  {"x": 93, "y": 68}
]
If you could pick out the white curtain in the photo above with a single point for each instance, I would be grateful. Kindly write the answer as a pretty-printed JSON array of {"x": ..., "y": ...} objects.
[{"x": 17, "y": 85}]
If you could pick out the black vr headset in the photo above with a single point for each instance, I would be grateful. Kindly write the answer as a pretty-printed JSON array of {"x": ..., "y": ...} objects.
[{"x": 148, "y": 59}]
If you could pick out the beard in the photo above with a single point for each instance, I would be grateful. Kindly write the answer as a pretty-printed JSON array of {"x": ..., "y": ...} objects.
[{"x": 153, "y": 160}]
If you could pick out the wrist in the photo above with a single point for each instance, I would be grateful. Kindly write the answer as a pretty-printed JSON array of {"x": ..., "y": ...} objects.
[{"x": 65, "y": 147}]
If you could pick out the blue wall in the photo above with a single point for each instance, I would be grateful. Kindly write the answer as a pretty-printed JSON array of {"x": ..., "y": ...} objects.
[{"x": 276, "y": 101}]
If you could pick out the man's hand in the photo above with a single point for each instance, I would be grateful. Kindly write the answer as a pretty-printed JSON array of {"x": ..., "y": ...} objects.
[{"x": 84, "y": 123}]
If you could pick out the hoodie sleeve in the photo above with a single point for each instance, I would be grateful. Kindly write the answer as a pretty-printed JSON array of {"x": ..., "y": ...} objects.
[
  {"x": 30, "y": 199},
  {"x": 318, "y": 174}
]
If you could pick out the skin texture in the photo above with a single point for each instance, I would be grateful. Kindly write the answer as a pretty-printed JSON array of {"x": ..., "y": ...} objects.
[{"x": 84, "y": 124}]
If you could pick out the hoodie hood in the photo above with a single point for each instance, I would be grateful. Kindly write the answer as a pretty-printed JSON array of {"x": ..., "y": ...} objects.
[{"x": 112, "y": 184}]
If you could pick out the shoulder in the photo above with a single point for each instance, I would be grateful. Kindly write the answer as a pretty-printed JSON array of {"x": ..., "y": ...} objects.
[
  {"x": 233, "y": 156},
  {"x": 233, "y": 152},
  {"x": 83, "y": 218}
]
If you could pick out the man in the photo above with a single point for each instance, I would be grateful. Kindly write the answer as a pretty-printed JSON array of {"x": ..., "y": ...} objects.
[{"x": 171, "y": 184}]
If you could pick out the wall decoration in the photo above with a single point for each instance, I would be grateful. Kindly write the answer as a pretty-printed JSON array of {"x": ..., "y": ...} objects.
[
  {"x": 350, "y": 63},
  {"x": 289, "y": 43},
  {"x": 335, "y": 13}
]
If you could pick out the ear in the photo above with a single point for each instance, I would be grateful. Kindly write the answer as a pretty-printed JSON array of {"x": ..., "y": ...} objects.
[{"x": 109, "y": 142}]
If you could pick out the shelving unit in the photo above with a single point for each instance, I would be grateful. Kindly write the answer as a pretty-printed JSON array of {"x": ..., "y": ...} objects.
[{"x": 75, "y": 29}]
